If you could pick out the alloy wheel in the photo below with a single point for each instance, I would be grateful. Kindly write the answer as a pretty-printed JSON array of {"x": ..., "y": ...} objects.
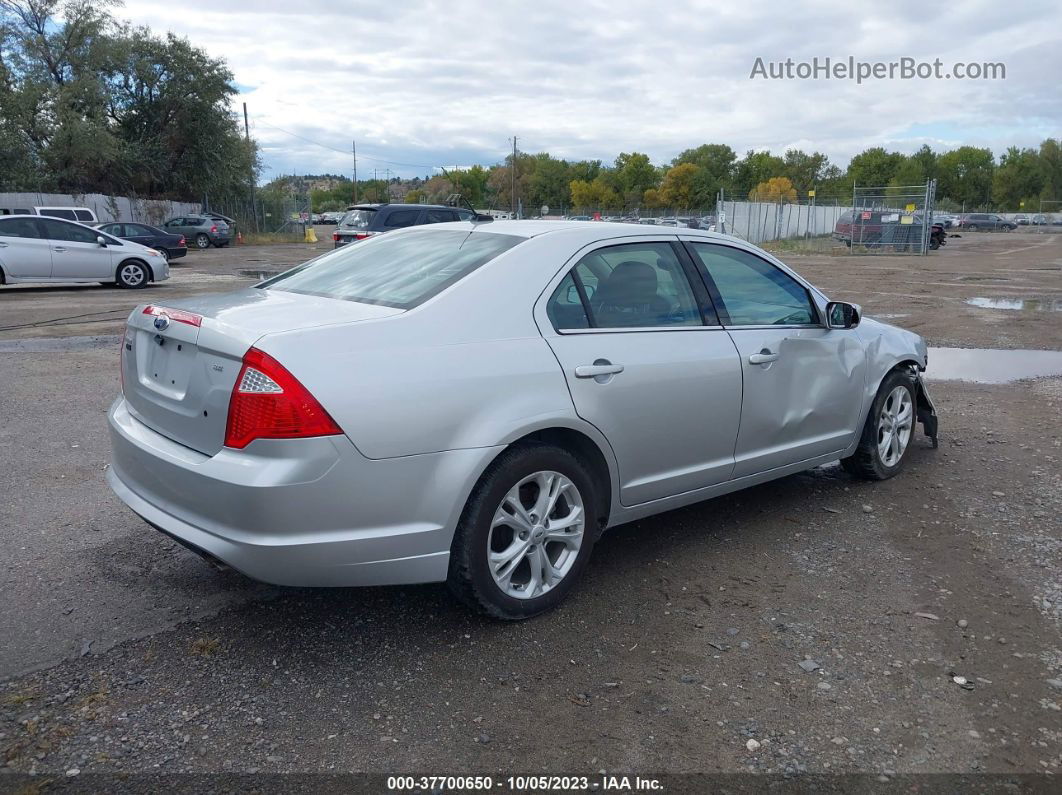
[
  {"x": 535, "y": 535},
  {"x": 894, "y": 426}
]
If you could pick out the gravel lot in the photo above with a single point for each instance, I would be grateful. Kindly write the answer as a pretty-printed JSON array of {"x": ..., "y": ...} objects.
[{"x": 815, "y": 624}]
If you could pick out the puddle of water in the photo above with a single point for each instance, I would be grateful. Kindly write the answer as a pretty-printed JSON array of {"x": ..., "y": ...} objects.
[
  {"x": 258, "y": 273},
  {"x": 990, "y": 366},
  {"x": 1019, "y": 304}
]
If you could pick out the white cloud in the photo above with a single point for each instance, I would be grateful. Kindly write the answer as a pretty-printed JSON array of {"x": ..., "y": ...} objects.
[{"x": 431, "y": 83}]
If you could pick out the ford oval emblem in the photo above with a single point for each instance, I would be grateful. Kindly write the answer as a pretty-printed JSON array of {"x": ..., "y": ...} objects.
[{"x": 162, "y": 322}]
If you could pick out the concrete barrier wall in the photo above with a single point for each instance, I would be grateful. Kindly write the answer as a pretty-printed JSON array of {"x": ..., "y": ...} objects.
[{"x": 107, "y": 208}]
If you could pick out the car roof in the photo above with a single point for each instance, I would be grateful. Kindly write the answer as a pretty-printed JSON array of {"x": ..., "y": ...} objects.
[{"x": 585, "y": 231}]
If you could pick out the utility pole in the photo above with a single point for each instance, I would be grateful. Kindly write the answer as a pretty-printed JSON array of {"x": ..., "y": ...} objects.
[
  {"x": 512, "y": 191},
  {"x": 354, "y": 150},
  {"x": 247, "y": 135},
  {"x": 375, "y": 187}
]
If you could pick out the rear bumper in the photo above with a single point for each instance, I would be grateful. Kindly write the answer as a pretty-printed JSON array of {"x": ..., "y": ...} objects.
[
  {"x": 307, "y": 512},
  {"x": 177, "y": 253}
]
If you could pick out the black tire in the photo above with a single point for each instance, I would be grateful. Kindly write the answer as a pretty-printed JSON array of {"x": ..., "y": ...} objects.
[
  {"x": 469, "y": 577},
  {"x": 165, "y": 254},
  {"x": 126, "y": 278},
  {"x": 972, "y": 227},
  {"x": 202, "y": 241},
  {"x": 866, "y": 462}
]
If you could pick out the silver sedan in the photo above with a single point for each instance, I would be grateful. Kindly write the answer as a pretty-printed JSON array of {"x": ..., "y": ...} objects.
[{"x": 476, "y": 402}]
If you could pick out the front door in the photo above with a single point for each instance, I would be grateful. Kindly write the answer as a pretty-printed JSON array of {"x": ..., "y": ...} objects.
[
  {"x": 803, "y": 382},
  {"x": 24, "y": 251},
  {"x": 649, "y": 366},
  {"x": 76, "y": 254}
]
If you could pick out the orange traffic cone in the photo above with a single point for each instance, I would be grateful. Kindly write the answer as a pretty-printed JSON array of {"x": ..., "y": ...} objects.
[{"x": 239, "y": 238}]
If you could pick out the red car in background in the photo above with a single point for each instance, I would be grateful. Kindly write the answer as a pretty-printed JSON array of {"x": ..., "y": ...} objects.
[{"x": 884, "y": 229}]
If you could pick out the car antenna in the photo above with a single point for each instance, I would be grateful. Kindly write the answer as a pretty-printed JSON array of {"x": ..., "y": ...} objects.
[{"x": 458, "y": 200}]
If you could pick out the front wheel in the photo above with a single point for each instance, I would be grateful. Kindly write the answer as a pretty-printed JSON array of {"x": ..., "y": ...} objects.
[
  {"x": 887, "y": 432},
  {"x": 525, "y": 534},
  {"x": 132, "y": 276}
]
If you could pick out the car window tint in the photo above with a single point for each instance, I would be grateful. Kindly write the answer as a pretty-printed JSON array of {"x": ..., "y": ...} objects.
[
  {"x": 565, "y": 307},
  {"x": 83, "y": 215},
  {"x": 401, "y": 218},
  {"x": 637, "y": 285},
  {"x": 67, "y": 214},
  {"x": 401, "y": 270},
  {"x": 755, "y": 292},
  {"x": 57, "y": 230},
  {"x": 112, "y": 229},
  {"x": 464, "y": 215},
  {"x": 436, "y": 217},
  {"x": 19, "y": 227}
]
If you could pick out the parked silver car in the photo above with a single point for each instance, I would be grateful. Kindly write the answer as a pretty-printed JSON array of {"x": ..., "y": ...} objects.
[
  {"x": 477, "y": 402},
  {"x": 38, "y": 249}
]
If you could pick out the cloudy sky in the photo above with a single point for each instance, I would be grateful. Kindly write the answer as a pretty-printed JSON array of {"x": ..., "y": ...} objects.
[{"x": 422, "y": 84}]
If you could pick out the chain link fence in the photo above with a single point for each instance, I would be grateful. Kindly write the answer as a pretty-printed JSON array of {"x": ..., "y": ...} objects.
[
  {"x": 277, "y": 215},
  {"x": 889, "y": 220}
]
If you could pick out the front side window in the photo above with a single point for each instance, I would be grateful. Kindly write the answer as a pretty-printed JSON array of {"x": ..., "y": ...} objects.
[
  {"x": 19, "y": 227},
  {"x": 635, "y": 285},
  {"x": 753, "y": 291},
  {"x": 57, "y": 230},
  {"x": 401, "y": 271}
]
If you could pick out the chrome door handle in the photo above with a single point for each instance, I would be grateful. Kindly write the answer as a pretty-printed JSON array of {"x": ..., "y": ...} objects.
[
  {"x": 595, "y": 370},
  {"x": 763, "y": 357},
  {"x": 58, "y": 248}
]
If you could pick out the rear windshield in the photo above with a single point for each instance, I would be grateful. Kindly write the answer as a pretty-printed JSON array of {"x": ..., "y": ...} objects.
[
  {"x": 399, "y": 269},
  {"x": 357, "y": 219}
]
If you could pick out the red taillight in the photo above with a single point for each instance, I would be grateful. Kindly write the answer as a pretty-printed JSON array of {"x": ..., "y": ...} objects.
[
  {"x": 213, "y": 230},
  {"x": 363, "y": 235},
  {"x": 335, "y": 236},
  {"x": 176, "y": 315},
  {"x": 181, "y": 242},
  {"x": 268, "y": 402}
]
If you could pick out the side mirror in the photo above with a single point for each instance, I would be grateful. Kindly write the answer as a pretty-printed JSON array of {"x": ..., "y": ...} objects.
[
  {"x": 101, "y": 240},
  {"x": 841, "y": 315}
]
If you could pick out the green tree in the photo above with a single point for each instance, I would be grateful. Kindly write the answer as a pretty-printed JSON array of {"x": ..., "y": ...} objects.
[
  {"x": 804, "y": 171},
  {"x": 965, "y": 176},
  {"x": 635, "y": 175},
  {"x": 715, "y": 163},
  {"x": 754, "y": 168},
  {"x": 1019, "y": 177},
  {"x": 873, "y": 167}
]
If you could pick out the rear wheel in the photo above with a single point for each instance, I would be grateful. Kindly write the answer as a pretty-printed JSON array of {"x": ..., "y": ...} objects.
[
  {"x": 132, "y": 275},
  {"x": 202, "y": 241},
  {"x": 165, "y": 254},
  {"x": 972, "y": 227},
  {"x": 525, "y": 534},
  {"x": 887, "y": 432}
]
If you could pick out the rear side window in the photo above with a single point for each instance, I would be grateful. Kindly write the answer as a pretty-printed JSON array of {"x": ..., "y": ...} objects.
[
  {"x": 436, "y": 217},
  {"x": 67, "y": 214},
  {"x": 401, "y": 218},
  {"x": 83, "y": 215},
  {"x": 565, "y": 307},
  {"x": 57, "y": 230},
  {"x": 19, "y": 227},
  {"x": 357, "y": 219},
  {"x": 401, "y": 271}
]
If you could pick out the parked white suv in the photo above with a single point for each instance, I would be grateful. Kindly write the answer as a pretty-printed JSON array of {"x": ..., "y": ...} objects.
[
  {"x": 40, "y": 249},
  {"x": 80, "y": 214}
]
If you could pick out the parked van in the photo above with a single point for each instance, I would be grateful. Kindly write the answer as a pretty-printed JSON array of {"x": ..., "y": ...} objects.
[{"x": 80, "y": 214}]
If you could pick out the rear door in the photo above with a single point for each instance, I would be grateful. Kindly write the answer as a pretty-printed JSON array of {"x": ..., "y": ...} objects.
[
  {"x": 25, "y": 253},
  {"x": 399, "y": 219},
  {"x": 647, "y": 363},
  {"x": 76, "y": 254},
  {"x": 803, "y": 382},
  {"x": 138, "y": 233}
]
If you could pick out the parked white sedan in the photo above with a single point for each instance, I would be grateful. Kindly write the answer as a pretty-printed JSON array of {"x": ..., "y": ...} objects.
[
  {"x": 477, "y": 402},
  {"x": 38, "y": 249}
]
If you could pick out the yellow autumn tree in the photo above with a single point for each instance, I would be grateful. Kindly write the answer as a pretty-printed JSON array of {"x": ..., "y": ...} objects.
[
  {"x": 776, "y": 189},
  {"x": 676, "y": 190}
]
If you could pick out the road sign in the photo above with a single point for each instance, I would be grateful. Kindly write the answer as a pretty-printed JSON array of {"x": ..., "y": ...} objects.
[
  {"x": 811, "y": 194},
  {"x": 910, "y": 208},
  {"x": 544, "y": 209}
]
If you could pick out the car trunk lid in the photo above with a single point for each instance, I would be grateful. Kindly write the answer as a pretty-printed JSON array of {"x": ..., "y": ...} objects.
[{"x": 180, "y": 361}]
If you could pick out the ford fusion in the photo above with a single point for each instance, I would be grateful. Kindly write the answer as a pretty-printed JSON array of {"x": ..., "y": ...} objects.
[{"x": 476, "y": 403}]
